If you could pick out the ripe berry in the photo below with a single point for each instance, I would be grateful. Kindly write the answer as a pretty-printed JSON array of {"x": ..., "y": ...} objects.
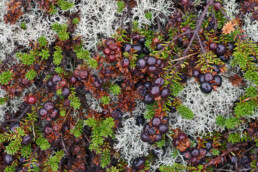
[
  {"x": 158, "y": 137},
  {"x": 187, "y": 155},
  {"x": 138, "y": 48},
  {"x": 172, "y": 109},
  {"x": 125, "y": 62},
  {"x": 196, "y": 73},
  {"x": 163, "y": 128},
  {"x": 26, "y": 139},
  {"x": 106, "y": 51},
  {"x": 220, "y": 49},
  {"x": 8, "y": 159},
  {"x": 42, "y": 113},
  {"x": 206, "y": 87},
  {"x": 195, "y": 152},
  {"x": 48, "y": 130},
  {"x": 203, "y": 152},
  {"x": 112, "y": 58},
  {"x": 83, "y": 74},
  {"x": 141, "y": 63},
  {"x": 218, "y": 80},
  {"x": 142, "y": 40},
  {"x": 159, "y": 81},
  {"x": 112, "y": 47},
  {"x": 146, "y": 50},
  {"x": 201, "y": 78},
  {"x": 165, "y": 93},
  {"x": 97, "y": 83},
  {"x": 50, "y": 83},
  {"x": 136, "y": 36},
  {"x": 216, "y": 68},
  {"x": 155, "y": 91},
  {"x": 127, "y": 47},
  {"x": 145, "y": 137},
  {"x": 148, "y": 129},
  {"x": 213, "y": 46},
  {"x": 230, "y": 46},
  {"x": 223, "y": 58},
  {"x": 151, "y": 61},
  {"x": 156, "y": 122},
  {"x": 56, "y": 79},
  {"x": 159, "y": 46},
  {"x": 138, "y": 163},
  {"x": 208, "y": 146},
  {"x": 183, "y": 77},
  {"x": 208, "y": 77},
  {"x": 54, "y": 115},
  {"x": 147, "y": 84},
  {"x": 109, "y": 41},
  {"x": 117, "y": 114},
  {"x": 49, "y": 105},
  {"x": 152, "y": 69},
  {"x": 31, "y": 100},
  {"x": 143, "y": 91},
  {"x": 140, "y": 120},
  {"x": 72, "y": 80},
  {"x": 175, "y": 142},
  {"x": 148, "y": 99},
  {"x": 65, "y": 92},
  {"x": 13, "y": 126}
]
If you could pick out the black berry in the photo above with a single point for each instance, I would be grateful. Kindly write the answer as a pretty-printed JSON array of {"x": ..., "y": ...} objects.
[{"x": 206, "y": 87}]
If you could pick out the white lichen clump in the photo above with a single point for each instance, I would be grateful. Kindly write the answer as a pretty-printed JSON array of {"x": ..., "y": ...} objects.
[{"x": 206, "y": 107}]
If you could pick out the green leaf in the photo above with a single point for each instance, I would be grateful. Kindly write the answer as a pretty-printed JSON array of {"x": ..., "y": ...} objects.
[
  {"x": 76, "y": 20},
  {"x": 105, "y": 100},
  {"x": 26, "y": 151},
  {"x": 13, "y": 147},
  {"x": 31, "y": 74},
  {"x": 5, "y": 77},
  {"x": 231, "y": 123},
  {"x": 42, "y": 41},
  {"x": 185, "y": 112},
  {"x": 23, "y": 26},
  {"x": 105, "y": 158},
  {"x": 215, "y": 152},
  {"x": 44, "y": 54},
  {"x": 57, "y": 57},
  {"x": 43, "y": 143},
  {"x": 120, "y": 6},
  {"x": 59, "y": 70},
  {"x": 65, "y": 5},
  {"x": 148, "y": 15},
  {"x": 27, "y": 59},
  {"x": 234, "y": 138},
  {"x": 115, "y": 89},
  {"x": 220, "y": 121}
]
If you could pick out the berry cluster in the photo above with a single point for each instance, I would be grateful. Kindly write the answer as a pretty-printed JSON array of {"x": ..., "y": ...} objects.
[
  {"x": 138, "y": 164},
  {"x": 153, "y": 131},
  {"x": 48, "y": 112}
]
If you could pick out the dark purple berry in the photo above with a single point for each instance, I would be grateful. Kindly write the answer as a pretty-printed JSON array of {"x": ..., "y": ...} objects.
[
  {"x": 143, "y": 91},
  {"x": 163, "y": 128},
  {"x": 8, "y": 159},
  {"x": 125, "y": 62},
  {"x": 42, "y": 113},
  {"x": 141, "y": 63},
  {"x": 65, "y": 92},
  {"x": 109, "y": 41},
  {"x": 48, "y": 130},
  {"x": 146, "y": 51},
  {"x": 148, "y": 129},
  {"x": 152, "y": 69},
  {"x": 54, "y": 115},
  {"x": 147, "y": 84},
  {"x": 140, "y": 120},
  {"x": 195, "y": 152},
  {"x": 165, "y": 93},
  {"x": 83, "y": 74},
  {"x": 50, "y": 83},
  {"x": 218, "y": 80},
  {"x": 230, "y": 46},
  {"x": 216, "y": 68},
  {"x": 159, "y": 46},
  {"x": 201, "y": 78},
  {"x": 56, "y": 79},
  {"x": 223, "y": 58},
  {"x": 187, "y": 155},
  {"x": 138, "y": 163},
  {"x": 220, "y": 50},
  {"x": 127, "y": 47},
  {"x": 145, "y": 137},
  {"x": 138, "y": 48},
  {"x": 155, "y": 91},
  {"x": 72, "y": 80},
  {"x": 206, "y": 87},
  {"x": 159, "y": 81},
  {"x": 151, "y": 61},
  {"x": 172, "y": 109},
  {"x": 158, "y": 137},
  {"x": 183, "y": 77},
  {"x": 196, "y": 73},
  {"x": 156, "y": 121},
  {"x": 49, "y": 105},
  {"x": 97, "y": 83},
  {"x": 148, "y": 99},
  {"x": 117, "y": 114},
  {"x": 208, "y": 146},
  {"x": 208, "y": 77},
  {"x": 182, "y": 136},
  {"x": 26, "y": 139},
  {"x": 14, "y": 126},
  {"x": 142, "y": 40},
  {"x": 175, "y": 142},
  {"x": 213, "y": 46}
]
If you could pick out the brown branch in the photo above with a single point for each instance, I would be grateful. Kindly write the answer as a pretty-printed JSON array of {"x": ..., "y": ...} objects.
[
  {"x": 25, "y": 110},
  {"x": 228, "y": 18},
  {"x": 250, "y": 98},
  {"x": 10, "y": 55},
  {"x": 129, "y": 16}
]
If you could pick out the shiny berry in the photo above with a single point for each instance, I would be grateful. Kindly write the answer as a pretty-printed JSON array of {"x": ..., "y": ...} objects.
[
  {"x": 72, "y": 80},
  {"x": 206, "y": 87},
  {"x": 159, "y": 81},
  {"x": 127, "y": 47},
  {"x": 187, "y": 155},
  {"x": 183, "y": 77},
  {"x": 138, "y": 48},
  {"x": 50, "y": 83},
  {"x": 163, "y": 128},
  {"x": 152, "y": 69},
  {"x": 42, "y": 113},
  {"x": 158, "y": 137},
  {"x": 106, "y": 51},
  {"x": 218, "y": 80},
  {"x": 208, "y": 77},
  {"x": 201, "y": 78},
  {"x": 48, "y": 130},
  {"x": 156, "y": 121},
  {"x": 213, "y": 46},
  {"x": 117, "y": 114},
  {"x": 109, "y": 41},
  {"x": 146, "y": 50},
  {"x": 175, "y": 142},
  {"x": 195, "y": 152},
  {"x": 182, "y": 136},
  {"x": 160, "y": 46},
  {"x": 26, "y": 139},
  {"x": 140, "y": 120},
  {"x": 142, "y": 40},
  {"x": 125, "y": 62},
  {"x": 216, "y": 68},
  {"x": 14, "y": 126},
  {"x": 8, "y": 159},
  {"x": 31, "y": 100},
  {"x": 65, "y": 92},
  {"x": 56, "y": 79},
  {"x": 83, "y": 74},
  {"x": 151, "y": 61},
  {"x": 148, "y": 99},
  {"x": 54, "y": 115},
  {"x": 148, "y": 129},
  {"x": 141, "y": 63},
  {"x": 49, "y": 105},
  {"x": 203, "y": 152},
  {"x": 112, "y": 58},
  {"x": 148, "y": 84},
  {"x": 145, "y": 137},
  {"x": 208, "y": 145},
  {"x": 172, "y": 109},
  {"x": 196, "y": 73},
  {"x": 230, "y": 46},
  {"x": 165, "y": 93},
  {"x": 155, "y": 91},
  {"x": 220, "y": 50},
  {"x": 138, "y": 163},
  {"x": 223, "y": 58}
]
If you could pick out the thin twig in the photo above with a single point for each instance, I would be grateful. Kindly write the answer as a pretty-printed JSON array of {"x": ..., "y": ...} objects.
[
  {"x": 182, "y": 58},
  {"x": 228, "y": 18},
  {"x": 250, "y": 98}
]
